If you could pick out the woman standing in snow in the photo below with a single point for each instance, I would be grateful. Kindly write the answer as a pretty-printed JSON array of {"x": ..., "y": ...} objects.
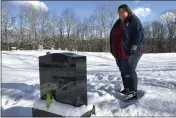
[{"x": 127, "y": 48}]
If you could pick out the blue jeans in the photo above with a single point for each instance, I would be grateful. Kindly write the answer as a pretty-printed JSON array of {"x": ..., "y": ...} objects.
[{"x": 127, "y": 68}]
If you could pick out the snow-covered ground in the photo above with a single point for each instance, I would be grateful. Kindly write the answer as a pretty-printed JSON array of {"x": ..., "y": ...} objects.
[{"x": 157, "y": 77}]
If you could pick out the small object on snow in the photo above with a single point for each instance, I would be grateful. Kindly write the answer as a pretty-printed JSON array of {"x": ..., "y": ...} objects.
[
  {"x": 48, "y": 99},
  {"x": 40, "y": 47},
  {"x": 14, "y": 48},
  {"x": 47, "y": 53}
]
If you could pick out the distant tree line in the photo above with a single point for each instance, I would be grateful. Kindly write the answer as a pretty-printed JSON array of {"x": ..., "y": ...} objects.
[{"x": 32, "y": 27}]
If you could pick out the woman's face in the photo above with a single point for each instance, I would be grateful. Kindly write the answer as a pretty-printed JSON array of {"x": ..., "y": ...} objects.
[{"x": 123, "y": 14}]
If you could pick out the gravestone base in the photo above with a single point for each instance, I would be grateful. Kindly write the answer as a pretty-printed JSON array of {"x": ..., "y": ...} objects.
[
  {"x": 58, "y": 109},
  {"x": 41, "y": 113}
]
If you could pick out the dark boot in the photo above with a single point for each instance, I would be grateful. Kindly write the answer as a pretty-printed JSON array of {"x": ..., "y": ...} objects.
[
  {"x": 132, "y": 95},
  {"x": 125, "y": 91}
]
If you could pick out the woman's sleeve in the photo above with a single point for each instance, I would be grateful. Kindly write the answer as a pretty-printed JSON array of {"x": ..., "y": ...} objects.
[{"x": 138, "y": 31}]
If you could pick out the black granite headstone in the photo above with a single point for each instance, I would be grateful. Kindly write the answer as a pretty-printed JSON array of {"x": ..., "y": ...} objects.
[{"x": 65, "y": 75}]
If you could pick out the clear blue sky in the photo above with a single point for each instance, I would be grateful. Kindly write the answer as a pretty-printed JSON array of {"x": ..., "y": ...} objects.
[{"x": 146, "y": 10}]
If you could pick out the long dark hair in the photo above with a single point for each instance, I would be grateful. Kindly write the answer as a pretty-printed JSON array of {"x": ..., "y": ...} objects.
[{"x": 126, "y": 8}]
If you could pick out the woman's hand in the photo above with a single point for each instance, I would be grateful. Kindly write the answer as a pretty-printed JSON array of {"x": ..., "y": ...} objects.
[
  {"x": 134, "y": 50},
  {"x": 134, "y": 47}
]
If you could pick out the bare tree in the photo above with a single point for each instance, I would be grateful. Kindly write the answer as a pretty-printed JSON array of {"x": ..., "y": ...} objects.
[
  {"x": 77, "y": 29},
  {"x": 22, "y": 25},
  {"x": 148, "y": 36},
  {"x": 60, "y": 26},
  {"x": 33, "y": 18},
  {"x": 100, "y": 13},
  {"x": 158, "y": 32},
  {"x": 147, "y": 30},
  {"x": 91, "y": 27},
  {"x": 163, "y": 31},
  {"x": 69, "y": 20},
  {"x": 111, "y": 12},
  {"x": 78, "y": 32},
  {"x": 167, "y": 18},
  {"x": 44, "y": 24},
  {"x": 53, "y": 23},
  {"x": 8, "y": 20},
  {"x": 105, "y": 16},
  {"x": 84, "y": 28},
  {"x": 155, "y": 29}
]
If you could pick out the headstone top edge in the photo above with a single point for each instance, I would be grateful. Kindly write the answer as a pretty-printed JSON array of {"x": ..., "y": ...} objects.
[{"x": 69, "y": 54}]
